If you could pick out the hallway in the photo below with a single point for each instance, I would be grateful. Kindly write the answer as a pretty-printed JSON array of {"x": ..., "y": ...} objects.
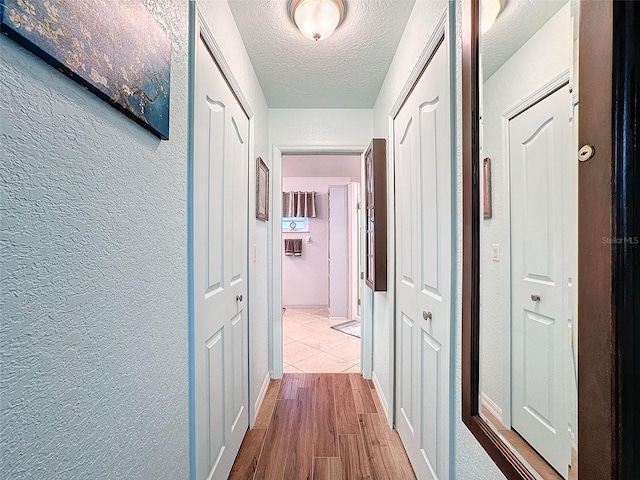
[
  {"x": 145, "y": 156},
  {"x": 321, "y": 427}
]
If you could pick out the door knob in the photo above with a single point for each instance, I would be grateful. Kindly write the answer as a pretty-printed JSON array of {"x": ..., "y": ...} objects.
[
  {"x": 238, "y": 298},
  {"x": 427, "y": 315},
  {"x": 535, "y": 298}
]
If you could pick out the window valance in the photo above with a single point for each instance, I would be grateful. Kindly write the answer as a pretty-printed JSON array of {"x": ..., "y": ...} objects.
[{"x": 299, "y": 204}]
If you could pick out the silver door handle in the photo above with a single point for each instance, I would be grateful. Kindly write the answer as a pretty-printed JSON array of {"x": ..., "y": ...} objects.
[
  {"x": 535, "y": 298},
  {"x": 238, "y": 298},
  {"x": 427, "y": 315}
]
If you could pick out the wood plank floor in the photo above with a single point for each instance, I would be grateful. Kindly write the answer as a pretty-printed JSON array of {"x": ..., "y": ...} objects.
[{"x": 321, "y": 426}]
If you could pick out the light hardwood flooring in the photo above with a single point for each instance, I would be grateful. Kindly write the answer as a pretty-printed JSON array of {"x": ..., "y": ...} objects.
[
  {"x": 312, "y": 346},
  {"x": 321, "y": 427}
]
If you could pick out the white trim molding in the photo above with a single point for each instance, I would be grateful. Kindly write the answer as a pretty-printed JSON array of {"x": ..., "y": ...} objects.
[
  {"x": 206, "y": 34},
  {"x": 260, "y": 399},
  {"x": 421, "y": 64},
  {"x": 491, "y": 407},
  {"x": 275, "y": 236},
  {"x": 534, "y": 97},
  {"x": 378, "y": 391}
]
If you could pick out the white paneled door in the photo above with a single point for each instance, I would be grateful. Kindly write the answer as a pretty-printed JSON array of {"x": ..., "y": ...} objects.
[
  {"x": 424, "y": 166},
  {"x": 540, "y": 154},
  {"x": 221, "y": 131},
  {"x": 338, "y": 251}
]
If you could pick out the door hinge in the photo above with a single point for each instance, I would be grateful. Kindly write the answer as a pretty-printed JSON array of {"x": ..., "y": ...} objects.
[
  {"x": 358, "y": 205},
  {"x": 359, "y": 302},
  {"x": 361, "y": 275}
]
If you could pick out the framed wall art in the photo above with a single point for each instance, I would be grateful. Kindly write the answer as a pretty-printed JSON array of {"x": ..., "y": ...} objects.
[
  {"x": 116, "y": 50},
  {"x": 262, "y": 190},
  {"x": 486, "y": 186}
]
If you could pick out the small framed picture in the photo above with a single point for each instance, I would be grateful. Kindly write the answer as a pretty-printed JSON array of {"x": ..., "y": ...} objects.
[
  {"x": 486, "y": 198},
  {"x": 262, "y": 190}
]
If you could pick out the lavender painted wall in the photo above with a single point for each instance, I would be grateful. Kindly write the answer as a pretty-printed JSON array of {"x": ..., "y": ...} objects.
[{"x": 305, "y": 279}]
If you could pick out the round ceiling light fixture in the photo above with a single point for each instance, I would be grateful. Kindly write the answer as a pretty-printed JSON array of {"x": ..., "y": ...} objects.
[
  {"x": 489, "y": 11},
  {"x": 317, "y": 19}
]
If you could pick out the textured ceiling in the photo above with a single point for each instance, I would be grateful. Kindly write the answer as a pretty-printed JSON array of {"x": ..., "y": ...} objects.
[
  {"x": 517, "y": 22},
  {"x": 344, "y": 71}
]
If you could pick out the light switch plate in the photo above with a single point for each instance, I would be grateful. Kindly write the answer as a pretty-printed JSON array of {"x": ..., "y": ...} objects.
[{"x": 495, "y": 252}]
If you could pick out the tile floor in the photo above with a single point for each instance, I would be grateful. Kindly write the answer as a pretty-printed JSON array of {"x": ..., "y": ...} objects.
[{"x": 312, "y": 346}]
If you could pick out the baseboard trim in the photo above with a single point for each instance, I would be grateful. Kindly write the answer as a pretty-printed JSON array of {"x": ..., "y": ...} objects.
[
  {"x": 261, "y": 395},
  {"x": 305, "y": 306},
  {"x": 491, "y": 407},
  {"x": 383, "y": 400}
]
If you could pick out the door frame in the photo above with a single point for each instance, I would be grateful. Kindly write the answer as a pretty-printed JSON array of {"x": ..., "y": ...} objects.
[
  {"x": 275, "y": 238},
  {"x": 198, "y": 28}
]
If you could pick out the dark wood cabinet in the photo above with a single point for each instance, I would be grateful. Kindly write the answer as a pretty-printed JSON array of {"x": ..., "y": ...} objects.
[{"x": 376, "y": 215}]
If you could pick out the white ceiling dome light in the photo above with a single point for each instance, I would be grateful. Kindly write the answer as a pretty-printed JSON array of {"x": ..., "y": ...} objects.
[
  {"x": 317, "y": 19},
  {"x": 489, "y": 10}
]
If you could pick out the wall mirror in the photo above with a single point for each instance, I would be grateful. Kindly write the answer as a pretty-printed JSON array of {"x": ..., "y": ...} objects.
[
  {"x": 546, "y": 228},
  {"x": 528, "y": 232},
  {"x": 520, "y": 241}
]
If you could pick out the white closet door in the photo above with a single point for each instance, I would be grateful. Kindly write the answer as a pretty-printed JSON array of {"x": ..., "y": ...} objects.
[
  {"x": 220, "y": 269},
  {"x": 424, "y": 209},
  {"x": 539, "y": 148}
]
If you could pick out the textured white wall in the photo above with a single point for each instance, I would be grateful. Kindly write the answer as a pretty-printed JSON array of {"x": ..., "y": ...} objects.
[
  {"x": 320, "y": 127},
  {"x": 545, "y": 56},
  {"x": 93, "y": 290},
  {"x": 305, "y": 279},
  {"x": 223, "y": 27}
]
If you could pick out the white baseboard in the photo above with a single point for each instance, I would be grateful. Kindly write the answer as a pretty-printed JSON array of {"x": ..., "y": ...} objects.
[
  {"x": 306, "y": 306},
  {"x": 383, "y": 400},
  {"x": 491, "y": 407},
  {"x": 259, "y": 400}
]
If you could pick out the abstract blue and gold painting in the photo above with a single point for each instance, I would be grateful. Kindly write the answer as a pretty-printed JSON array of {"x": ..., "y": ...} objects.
[{"x": 115, "y": 49}]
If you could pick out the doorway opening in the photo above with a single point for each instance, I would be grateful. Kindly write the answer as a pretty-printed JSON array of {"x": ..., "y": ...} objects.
[{"x": 320, "y": 258}]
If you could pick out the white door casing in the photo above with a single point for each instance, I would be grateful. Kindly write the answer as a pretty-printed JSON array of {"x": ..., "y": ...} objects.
[
  {"x": 221, "y": 132},
  {"x": 539, "y": 151},
  {"x": 275, "y": 245},
  {"x": 354, "y": 250},
  {"x": 424, "y": 208}
]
